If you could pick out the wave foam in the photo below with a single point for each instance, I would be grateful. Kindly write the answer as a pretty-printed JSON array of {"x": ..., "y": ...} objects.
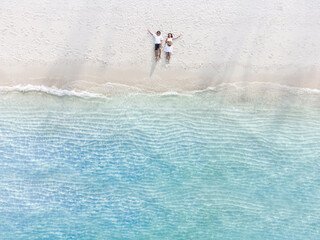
[
  {"x": 115, "y": 88},
  {"x": 262, "y": 85},
  {"x": 50, "y": 90}
]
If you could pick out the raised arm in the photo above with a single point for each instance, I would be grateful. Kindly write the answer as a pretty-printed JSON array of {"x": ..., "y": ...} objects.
[
  {"x": 150, "y": 32},
  {"x": 177, "y": 37}
]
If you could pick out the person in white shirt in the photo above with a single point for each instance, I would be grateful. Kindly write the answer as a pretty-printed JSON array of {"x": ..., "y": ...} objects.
[
  {"x": 168, "y": 48},
  {"x": 157, "y": 43}
]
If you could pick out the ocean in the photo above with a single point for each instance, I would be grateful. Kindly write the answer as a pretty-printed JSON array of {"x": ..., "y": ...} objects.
[{"x": 232, "y": 162}]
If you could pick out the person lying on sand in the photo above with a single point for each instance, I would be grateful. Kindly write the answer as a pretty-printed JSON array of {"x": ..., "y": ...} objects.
[
  {"x": 168, "y": 48},
  {"x": 157, "y": 43}
]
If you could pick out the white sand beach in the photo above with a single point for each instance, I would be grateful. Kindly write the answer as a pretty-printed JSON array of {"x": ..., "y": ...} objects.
[{"x": 84, "y": 45}]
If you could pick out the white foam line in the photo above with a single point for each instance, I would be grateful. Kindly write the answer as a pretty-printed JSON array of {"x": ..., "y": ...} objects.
[
  {"x": 50, "y": 90},
  {"x": 138, "y": 91},
  {"x": 173, "y": 93},
  {"x": 244, "y": 84}
]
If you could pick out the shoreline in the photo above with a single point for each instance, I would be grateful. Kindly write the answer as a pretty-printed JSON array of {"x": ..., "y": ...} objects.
[
  {"x": 92, "y": 77},
  {"x": 256, "y": 90}
]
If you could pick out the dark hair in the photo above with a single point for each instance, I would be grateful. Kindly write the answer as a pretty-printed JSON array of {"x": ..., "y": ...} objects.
[
  {"x": 158, "y": 32},
  {"x": 170, "y": 34}
]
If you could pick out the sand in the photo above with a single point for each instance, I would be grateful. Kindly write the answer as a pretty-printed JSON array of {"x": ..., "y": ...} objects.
[{"x": 86, "y": 45}]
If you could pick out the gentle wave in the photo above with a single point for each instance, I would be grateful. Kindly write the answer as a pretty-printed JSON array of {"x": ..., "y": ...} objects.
[
  {"x": 114, "y": 87},
  {"x": 50, "y": 90},
  {"x": 270, "y": 85}
]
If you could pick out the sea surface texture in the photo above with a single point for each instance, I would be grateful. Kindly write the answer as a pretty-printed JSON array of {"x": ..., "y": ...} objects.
[{"x": 225, "y": 163}]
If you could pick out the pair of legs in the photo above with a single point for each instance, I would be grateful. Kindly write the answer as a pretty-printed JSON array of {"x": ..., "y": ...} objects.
[
  {"x": 168, "y": 56},
  {"x": 158, "y": 54},
  {"x": 157, "y": 51}
]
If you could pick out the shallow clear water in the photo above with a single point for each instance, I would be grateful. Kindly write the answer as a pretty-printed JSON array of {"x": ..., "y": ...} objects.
[{"x": 221, "y": 164}]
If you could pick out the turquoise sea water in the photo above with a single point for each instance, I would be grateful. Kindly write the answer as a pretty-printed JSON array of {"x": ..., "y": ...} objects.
[{"x": 227, "y": 163}]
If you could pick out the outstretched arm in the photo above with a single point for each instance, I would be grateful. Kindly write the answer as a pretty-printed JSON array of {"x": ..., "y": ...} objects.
[
  {"x": 150, "y": 32},
  {"x": 177, "y": 37}
]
